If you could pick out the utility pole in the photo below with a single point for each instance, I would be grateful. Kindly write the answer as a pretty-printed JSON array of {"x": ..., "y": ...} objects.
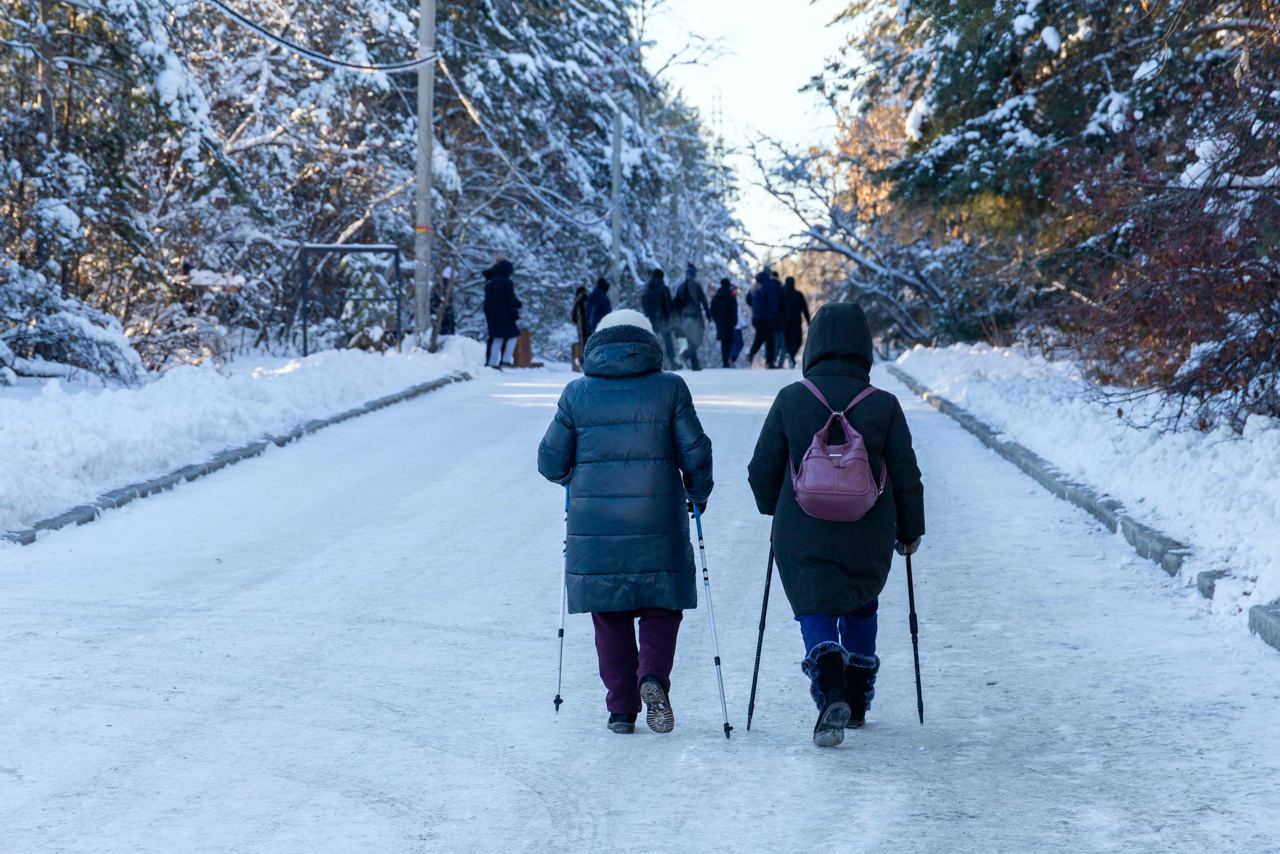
[
  {"x": 616, "y": 202},
  {"x": 423, "y": 272},
  {"x": 673, "y": 231}
]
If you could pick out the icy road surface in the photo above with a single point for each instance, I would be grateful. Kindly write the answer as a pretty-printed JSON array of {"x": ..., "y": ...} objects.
[{"x": 347, "y": 645}]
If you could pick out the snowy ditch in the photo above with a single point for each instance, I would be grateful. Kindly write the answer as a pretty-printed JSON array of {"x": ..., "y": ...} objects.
[
  {"x": 62, "y": 448},
  {"x": 1219, "y": 491}
]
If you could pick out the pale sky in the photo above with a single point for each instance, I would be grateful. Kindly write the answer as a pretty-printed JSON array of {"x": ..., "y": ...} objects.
[{"x": 769, "y": 49}]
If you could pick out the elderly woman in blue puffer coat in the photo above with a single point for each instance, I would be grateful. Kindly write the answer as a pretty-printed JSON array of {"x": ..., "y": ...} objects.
[{"x": 627, "y": 442}]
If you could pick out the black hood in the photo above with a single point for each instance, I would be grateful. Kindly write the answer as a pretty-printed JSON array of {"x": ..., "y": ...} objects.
[
  {"x": 503, "y": 269},
  {"x": 621, "y": 351},
  {"x": 839, "y": 333}
]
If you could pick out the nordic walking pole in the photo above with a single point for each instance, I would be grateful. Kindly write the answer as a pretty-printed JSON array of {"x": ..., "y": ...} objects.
[
  {"x": 564, "y": 601},
  {"x": 711, "y": 613},
  {"x": 764, "y": 610},
  {"x": 915, "y": 639}
]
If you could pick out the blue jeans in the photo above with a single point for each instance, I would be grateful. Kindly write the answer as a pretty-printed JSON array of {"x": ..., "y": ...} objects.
[{"x": 855, "y": 631}]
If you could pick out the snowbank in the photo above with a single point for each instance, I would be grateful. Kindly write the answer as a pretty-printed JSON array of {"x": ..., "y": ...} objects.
[
  {"x": 59, "y": 449},
  {"x": 1219, "y": 492}
]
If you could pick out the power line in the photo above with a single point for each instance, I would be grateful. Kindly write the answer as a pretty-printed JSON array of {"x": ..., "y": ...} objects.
[
  {"x": 548, "y": 198},
  {"x": 542, "y": 194},
  {"x": 315, "y": 56}
]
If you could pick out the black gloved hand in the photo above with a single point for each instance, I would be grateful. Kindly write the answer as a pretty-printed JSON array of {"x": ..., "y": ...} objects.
[
  {"x": 702, "y": 507},
  {"x": 910, "y": 548}
]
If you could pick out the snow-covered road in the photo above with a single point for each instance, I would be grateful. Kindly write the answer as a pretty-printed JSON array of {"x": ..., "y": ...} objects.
[{"x": 347, "y": 645}]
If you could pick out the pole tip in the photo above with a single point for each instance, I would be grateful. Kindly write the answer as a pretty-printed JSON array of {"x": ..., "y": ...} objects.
[{"x": 727, "y": 729}]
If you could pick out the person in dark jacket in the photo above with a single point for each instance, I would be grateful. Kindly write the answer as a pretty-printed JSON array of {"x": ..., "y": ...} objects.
[
  {"x": 691, "y": 312},
  {"x": 598, "y": 304},
  {"x": 628, "y": 444},
  {"x": 833, "y": 572},
  {"x": 795, "y": 315},
  {"x": 501, "y": 312},
  {"x": 579, "y": 317},
  {"x": 766, "y": 317},
  {"x": 724, "y": 314},
  {"x": 656, "y": 304}
]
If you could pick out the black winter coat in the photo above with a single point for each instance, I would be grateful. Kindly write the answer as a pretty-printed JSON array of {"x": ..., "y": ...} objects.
[
  {"x": 628, "y": 442},
  {"x": 598, "y": 307},
  {"x": 655, "y": 302},
  {"x": 724, "y": 310},
  {"x": 795, "y": 313},
  {"x": 836, "y": 567},
  {"x": 501, "y": 307}
]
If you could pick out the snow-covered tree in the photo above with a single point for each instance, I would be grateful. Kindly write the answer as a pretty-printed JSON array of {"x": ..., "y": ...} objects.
[
  {"x": 164, "y": 160},
  {"x": 1108, "y": 168}
]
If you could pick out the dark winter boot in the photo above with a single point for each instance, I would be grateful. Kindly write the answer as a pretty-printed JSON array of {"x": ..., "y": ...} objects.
[
  {"x": 658, "y": 713},
  {"x": 825, "y": 668},
  {"x": 860, "y": 682},
  {"x": 622, "y": 724}
]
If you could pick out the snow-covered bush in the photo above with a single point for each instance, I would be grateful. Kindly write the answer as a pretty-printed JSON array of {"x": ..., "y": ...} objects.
[{"x": 45, "y": 334}]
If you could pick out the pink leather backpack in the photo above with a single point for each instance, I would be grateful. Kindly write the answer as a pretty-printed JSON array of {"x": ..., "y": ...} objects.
[{"x": 835, "y": 483}]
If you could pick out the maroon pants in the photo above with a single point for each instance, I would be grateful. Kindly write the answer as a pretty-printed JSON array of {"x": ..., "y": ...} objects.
[{"x": 622, "y": 666}]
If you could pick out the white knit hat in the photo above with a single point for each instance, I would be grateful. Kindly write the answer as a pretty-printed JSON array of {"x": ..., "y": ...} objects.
[{"x": 625, "y": 317}]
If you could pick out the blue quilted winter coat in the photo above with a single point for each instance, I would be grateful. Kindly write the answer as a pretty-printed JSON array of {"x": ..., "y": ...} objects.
[{"x": 628, "y": 442}]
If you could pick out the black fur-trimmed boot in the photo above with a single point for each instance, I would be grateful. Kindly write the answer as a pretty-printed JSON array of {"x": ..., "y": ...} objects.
[
  {"x": 860, "y": 683},
  {"x": 622, "y": 724},
  {"x": 825, "y": 668}
]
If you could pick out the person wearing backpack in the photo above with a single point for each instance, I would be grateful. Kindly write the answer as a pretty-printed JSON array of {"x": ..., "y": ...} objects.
[
  {"x": 835, "y": 467},
  {"x": 690, "y": 310},
  {"x": 628, "y": 444},
  {"x": 655, "y": 302}
]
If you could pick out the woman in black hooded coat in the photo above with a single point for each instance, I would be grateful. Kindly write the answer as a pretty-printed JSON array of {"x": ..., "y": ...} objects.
[
  {"x": 501, "y": 311},
  {"x": 833, "y": 572}
]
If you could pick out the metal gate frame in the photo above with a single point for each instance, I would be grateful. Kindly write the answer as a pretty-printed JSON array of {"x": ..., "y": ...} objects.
[{"x": 309, "y": 249}]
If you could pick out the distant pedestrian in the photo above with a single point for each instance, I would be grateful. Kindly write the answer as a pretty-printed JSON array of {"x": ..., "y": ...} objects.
[
  {"x": 739, "y": 331},
  {"x": 724, "y": 314},
  {"x": 833, "y": 572},
  {"x": 502, "y": 313},
  {"x": 766, "y": 316},
  {"x": 656, "y": 304},
  {"x": 598, "y": 304},
  {"x": 795, "y": 315},
  {"x": 691, "y": 311},
  {"x": 580, "y": 324},
  {"x": 628, "y": 444},
  {"x": 443, "y": 296}
]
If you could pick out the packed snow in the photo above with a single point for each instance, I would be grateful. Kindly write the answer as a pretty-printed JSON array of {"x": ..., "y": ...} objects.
[
  {"x": 64, "y": 444},
  {"x": 349, "y": 645},
  {"x": 1216, "y": 491}
]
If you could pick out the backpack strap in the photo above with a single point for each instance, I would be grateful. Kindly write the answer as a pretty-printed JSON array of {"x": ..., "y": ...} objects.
[
  {"x": 818, "y": 394},
  {"x": 863, "y": 395}
]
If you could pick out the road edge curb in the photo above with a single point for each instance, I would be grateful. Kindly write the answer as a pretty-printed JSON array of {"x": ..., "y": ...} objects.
[
  {"x": 1264, "y": 620},
  {"x": 1158, "y": 547},
  {"x": 83, "y": 514}
]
